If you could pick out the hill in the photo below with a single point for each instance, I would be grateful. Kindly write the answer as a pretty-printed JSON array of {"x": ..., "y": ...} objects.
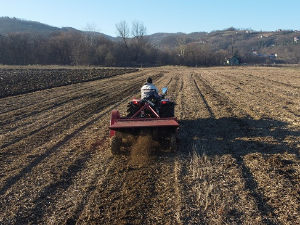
[
  {"x": 11, "y": 25},
  {"x": 250, "y": 46},
  {"x": 256, "y": 45},
  {"x": 219, "y": 38}
]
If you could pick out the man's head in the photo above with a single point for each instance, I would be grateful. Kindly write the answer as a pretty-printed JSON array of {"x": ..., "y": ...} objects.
[{"x": 149, "y": 80}]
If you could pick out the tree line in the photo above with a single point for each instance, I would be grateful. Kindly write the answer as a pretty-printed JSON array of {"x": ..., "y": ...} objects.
[
  {"x": 73, "y": 47},
  {"x": 131, "y": 48}
]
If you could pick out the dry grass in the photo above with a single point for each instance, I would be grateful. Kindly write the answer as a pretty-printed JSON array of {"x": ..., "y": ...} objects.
[
  {"x": 238, "y": 159},
  {"x": 219, "y": 191}
]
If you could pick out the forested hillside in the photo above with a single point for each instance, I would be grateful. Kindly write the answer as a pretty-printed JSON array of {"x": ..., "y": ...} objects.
[{"x": 26, "y": 42}]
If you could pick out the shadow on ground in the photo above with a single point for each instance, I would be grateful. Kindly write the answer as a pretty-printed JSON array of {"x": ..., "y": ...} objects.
[{"x": 237, "y": 136}]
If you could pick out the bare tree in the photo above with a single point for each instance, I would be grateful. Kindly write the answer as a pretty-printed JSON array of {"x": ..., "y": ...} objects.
[
  {"x": 79, "y": 48},
  {"x": 91, "y": 34},
  {"x": 123, "y": 32},
  {"x": 123, "y": 52},
  {"x": 181, "y": 40},
  {"x": 140, "y": 40},
  {"x": 20, "y": 46},
  {"x": 139, "y": 32},
  {"x": 60, "y": 48}
]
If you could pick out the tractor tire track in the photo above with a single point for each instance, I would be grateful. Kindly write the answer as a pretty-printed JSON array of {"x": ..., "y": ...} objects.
[{"x": 219, "y": 107}]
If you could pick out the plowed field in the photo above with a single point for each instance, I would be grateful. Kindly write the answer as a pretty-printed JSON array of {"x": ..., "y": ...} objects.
[{"x": 237, "y": 163}]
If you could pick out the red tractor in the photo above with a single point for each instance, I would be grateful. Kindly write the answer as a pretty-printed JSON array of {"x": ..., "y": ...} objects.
[{"x": 152, "y": 115}]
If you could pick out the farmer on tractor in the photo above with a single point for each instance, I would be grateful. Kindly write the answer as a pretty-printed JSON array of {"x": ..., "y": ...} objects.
[{"x": 149, "y": 89}]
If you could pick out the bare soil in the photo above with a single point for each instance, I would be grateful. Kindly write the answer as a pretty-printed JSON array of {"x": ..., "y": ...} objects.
[{"x": 237, "y": 161}]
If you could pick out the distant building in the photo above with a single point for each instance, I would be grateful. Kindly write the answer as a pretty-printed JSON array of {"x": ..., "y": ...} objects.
[
  {"x": 270, "y": 55},
  {"x": 233, "y": 61}
]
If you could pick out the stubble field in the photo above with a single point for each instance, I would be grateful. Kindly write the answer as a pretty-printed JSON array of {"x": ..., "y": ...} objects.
[{"x": 237, "y": 162}]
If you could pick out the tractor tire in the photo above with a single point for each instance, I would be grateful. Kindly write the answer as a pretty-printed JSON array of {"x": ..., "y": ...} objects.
[
  {"x": 167, "y": 111},
  {"x": 132, "y": 109},
  {"x": 115, "y": 145}
]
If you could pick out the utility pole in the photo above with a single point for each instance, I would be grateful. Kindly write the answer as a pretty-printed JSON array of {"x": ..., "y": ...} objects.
[
  {"x": 231, "y": 50},
  {"x": 232, "y": 46}
]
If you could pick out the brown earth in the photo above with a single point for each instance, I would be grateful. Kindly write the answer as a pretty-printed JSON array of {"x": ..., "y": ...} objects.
[
  {"x": 21, "y": 79},
  {"x": 237, "y": 163}
]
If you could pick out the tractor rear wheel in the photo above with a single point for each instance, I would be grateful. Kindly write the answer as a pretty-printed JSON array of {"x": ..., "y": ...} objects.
[
  {"x": 132, "y": 109},
  {"x": 167, "y": 111}
]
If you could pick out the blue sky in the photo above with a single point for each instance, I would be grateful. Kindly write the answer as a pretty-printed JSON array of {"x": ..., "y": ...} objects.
[{"x": 169, "y": 16}]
